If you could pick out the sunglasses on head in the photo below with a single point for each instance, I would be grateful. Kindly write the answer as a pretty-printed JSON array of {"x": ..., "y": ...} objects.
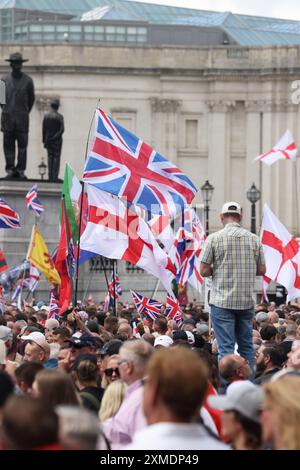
[{"x": 109, "y": 372}]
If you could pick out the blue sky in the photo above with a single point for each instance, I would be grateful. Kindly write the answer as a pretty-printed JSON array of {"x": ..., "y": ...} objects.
[{"x": 276, "y": 8}]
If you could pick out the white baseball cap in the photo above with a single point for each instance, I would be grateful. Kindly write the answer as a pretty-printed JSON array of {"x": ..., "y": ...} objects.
[
  {"x": 242, "y": 396},
  {"x": 39, "y": 339},
  {"x": 164, "y": 341},
  {"x": 231, "y": 208}
]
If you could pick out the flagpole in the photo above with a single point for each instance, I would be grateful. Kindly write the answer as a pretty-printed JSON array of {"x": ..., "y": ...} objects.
[
  {"x": 104, "y": 270},
  {"x": 80, "y": 213},
  {"x": 114, "y": 280},
  {"x": 88, "y": 285}
]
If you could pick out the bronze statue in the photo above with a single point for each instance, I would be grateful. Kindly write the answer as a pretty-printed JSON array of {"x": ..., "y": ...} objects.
[
  {"x": 15, "y": 116},
  {"x": 53, "y": 129}
]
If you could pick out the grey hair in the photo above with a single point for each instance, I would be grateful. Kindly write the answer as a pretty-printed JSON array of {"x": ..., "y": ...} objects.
[
  {"x": 138, "y": 352},
  {"x": 78, "y": 427}
]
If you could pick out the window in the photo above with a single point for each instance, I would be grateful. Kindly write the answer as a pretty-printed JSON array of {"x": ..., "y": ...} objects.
[
  {"x": 49, "y": 28},
  {"x": 35, "y": 28},
  {"x": 191, "y": 133}
]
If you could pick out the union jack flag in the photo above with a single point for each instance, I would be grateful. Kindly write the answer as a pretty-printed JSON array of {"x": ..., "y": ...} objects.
[
  {"x": 186, "y": 250},
  {"x": 8, "y": 217},
  {"x": 173, "y": 311},
  {"x": 122, "y": 164},
  {"x": 33, "y": 202},
  {"x": 112, "y": 292},
  {"x": 148, "y": 308},
  {"x": 54, "y": 308}
]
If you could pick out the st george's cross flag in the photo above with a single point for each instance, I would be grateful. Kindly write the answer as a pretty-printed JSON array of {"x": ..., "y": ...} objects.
[
  {"x": 282, "y": 254},
  {"x": 32, "y": 201},
  {"x": 285, "y": 149},
  {"x": 8, "y": 217},
  {"x": 116, "y": 232},
  {"x": 122, "y": 164}
]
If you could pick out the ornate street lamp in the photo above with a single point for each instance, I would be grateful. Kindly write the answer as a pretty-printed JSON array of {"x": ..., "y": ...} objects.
[
  {"x": 207, "y": 191},
  {"x": 42, "y": 169},
  {"x": 253, "y": 195}
]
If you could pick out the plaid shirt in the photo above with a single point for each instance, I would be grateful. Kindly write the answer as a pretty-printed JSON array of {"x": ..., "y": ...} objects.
[{"x": 234, "y": 254}]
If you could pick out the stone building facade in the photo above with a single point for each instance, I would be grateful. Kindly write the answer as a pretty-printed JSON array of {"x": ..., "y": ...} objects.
[{"x": 211, "y": 110}]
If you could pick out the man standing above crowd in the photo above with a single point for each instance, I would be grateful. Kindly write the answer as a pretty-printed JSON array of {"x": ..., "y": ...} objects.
[{"x": 233, "y": 257}]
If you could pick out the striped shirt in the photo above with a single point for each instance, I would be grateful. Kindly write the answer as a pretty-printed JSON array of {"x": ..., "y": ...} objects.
[{"x": 234, "y": 254}]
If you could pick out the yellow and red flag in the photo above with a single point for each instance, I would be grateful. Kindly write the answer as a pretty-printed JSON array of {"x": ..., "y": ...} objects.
[{"x": 40, "y": 257}]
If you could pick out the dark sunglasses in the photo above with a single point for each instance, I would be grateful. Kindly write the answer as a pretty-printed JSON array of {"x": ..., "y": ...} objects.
[{"x": 109, "y": 372}]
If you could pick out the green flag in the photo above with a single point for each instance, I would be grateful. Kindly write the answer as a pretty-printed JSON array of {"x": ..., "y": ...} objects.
[{"x": 72, "y": 194}]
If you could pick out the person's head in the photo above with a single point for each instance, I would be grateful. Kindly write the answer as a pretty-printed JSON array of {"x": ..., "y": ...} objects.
[
  {"x": 273, "y": 317},
  {"x": 86, "y": 369},
  {"x": 112, "y": 399},
  {"x": 175, "y": 387},
  {"x": 111, "y": 324},
  {"x": 281, "y": 413},
  {"x": 54, "y": 103},
  {"x": 36, "y": 353},
  {"x": 268, "y": 333},
  {"x": 6, "y": 335},
  {"x": 25, "y": 375},
  {"x": 16, "y": 63},
  {"x": 293, "y": 361},
  {"x": 55, "y": 387},
  {"x": 269, "y": 358},
  {"x": 61, "y": 335},
  {"x": 291, "y": 330},
  {"x": 17, "y": 434},
  {"x": 163, "y": 341},
  {"x": 241, "y": 414},
  {"x": 79, "y": 428},
  {"x": 231, "y": 212},
  {"x": 149, "y": 338},
  {"x": 134, "y": 357},
  {"x": 84, "y": 344},
  {"x": 125, "y": 329},
  {"x": 6, "y": 388},
  {"x": 111, "y": 371},
  {"x": 233, "y": 367},
  {"x": 160, "y": 325}
]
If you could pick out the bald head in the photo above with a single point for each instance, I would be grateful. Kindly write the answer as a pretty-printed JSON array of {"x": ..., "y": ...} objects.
[{"x": 233, "y": 367}]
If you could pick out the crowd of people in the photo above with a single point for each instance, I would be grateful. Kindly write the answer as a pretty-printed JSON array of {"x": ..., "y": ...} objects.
[{"x": 95, "y": 380}]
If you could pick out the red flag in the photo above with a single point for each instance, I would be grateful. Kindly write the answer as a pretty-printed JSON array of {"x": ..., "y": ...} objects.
[
  {"x": 61, "y": 262},
  {"x": 3, "y": 263}
]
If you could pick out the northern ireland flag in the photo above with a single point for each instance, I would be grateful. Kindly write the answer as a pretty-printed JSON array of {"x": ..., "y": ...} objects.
[
  {"x": 282, "y": 254},
  {"x": 116, "y": 232},
  {"x": 285, "y": 149}
]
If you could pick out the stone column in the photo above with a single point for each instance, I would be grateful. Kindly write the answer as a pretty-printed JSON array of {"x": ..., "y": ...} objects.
[
  {"x": 218, "y": 156},
  {"x": 254, "y": 121},
  {"x": 165, "y": 126}
]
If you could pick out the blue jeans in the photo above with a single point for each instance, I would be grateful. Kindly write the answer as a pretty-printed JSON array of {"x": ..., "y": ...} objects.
[{"x": 234, "y": 326}]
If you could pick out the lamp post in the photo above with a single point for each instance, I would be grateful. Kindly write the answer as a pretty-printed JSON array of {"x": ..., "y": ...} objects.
[
  {"x": 42, "y": 169},
  {"x": 207, "y": 191},
  {"x": 253, "y": 195}
]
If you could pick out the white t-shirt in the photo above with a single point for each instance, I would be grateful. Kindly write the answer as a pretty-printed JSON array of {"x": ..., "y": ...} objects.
[{"x": 174, "y": 436}]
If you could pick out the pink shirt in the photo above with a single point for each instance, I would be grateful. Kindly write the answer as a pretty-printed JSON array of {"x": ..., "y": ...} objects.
[{"x": 130, "y": 418}]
